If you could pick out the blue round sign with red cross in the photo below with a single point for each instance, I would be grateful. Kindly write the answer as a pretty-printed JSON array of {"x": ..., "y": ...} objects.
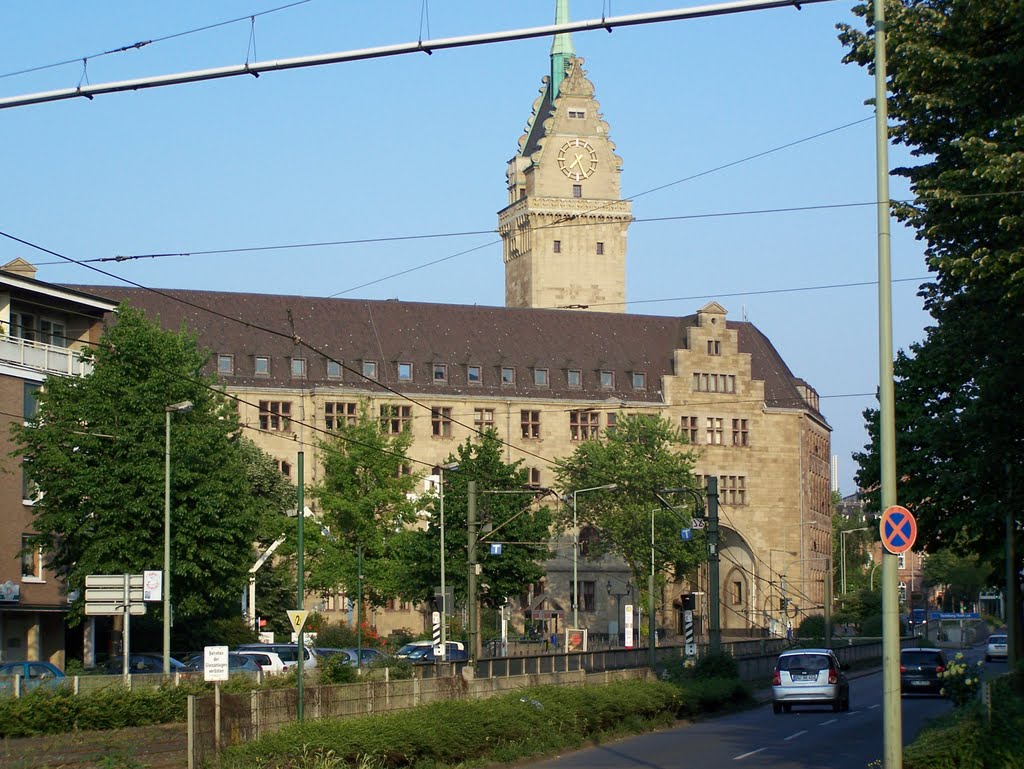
[{"x": 898, "y": 529}]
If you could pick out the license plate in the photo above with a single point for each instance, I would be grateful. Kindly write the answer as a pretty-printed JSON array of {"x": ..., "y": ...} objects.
[
  {"x": 805, "y": 678},
  {"x": 919, "y": 683}
]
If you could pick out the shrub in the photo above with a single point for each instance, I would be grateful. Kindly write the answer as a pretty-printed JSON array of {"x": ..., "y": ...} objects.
[
  {"x": 812, "y": 627},
  {"x": 721, "y": 665},
  {"x": 342, "y": 635},
  {"x": 961, "y": 682},
  {"x": 335, "y": 669}
]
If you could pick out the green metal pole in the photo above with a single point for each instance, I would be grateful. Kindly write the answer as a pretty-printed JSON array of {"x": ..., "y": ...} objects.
[
  {"x": 471, "y": 584},
  {"x": 167, "y": 546},
  {"x": 1013, "y": 623},
  {"x": 359, "y": 604},
  {"x": 300, "y": 567},
  {"x": 892, "y": 752},
  {"x": 714, "y": 608}
]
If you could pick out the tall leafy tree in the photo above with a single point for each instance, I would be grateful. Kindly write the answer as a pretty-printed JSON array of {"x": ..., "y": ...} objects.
[
  {"x": 366, "y": 500},
  {"x": 644, "y": 455},
  {"x": 514, "y": 520},
  {"x": 955, "y": 69},
  {"x": 95, "y": 450}
]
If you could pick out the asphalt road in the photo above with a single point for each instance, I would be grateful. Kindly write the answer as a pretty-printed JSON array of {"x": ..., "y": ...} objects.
[{"x": 807, "y": 738}]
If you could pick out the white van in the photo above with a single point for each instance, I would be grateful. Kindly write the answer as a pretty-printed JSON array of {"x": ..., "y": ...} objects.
[{"x": 412, "y": 646}]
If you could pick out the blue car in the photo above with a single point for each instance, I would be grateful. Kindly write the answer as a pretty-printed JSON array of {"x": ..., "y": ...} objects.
[{"x": 33, "y": 675}]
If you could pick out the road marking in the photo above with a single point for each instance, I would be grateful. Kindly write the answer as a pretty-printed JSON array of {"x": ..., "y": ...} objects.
[
  {"x": 794, "y": 736},
  {"x": 830, "y": 721},
  {"x": 874, "y": 706},
  {"x": 745, "y": 755}
]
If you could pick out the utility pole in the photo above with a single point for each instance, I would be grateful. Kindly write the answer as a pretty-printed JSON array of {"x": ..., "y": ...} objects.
[
  {"x": 474, "y": 631},
  {"x": 300, "y": 568},
  {"x": 714, "y": 610}
]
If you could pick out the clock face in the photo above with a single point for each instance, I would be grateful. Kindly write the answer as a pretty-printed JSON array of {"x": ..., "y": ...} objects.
[{"x": 577, "y": 159}]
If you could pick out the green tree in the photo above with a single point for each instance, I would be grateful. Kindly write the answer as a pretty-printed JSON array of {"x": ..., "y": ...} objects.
[
  {"x": 959, "y": 577},
  {"x": 955, "y": 69},
  {"x": 643, "y": 455},
  {"x": 95, "y": 450},
  {"x": 365, "y": 502},
  {"x": 521, "y": 526}
]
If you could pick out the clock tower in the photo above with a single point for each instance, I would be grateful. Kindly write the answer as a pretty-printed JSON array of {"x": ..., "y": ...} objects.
[{"x": 564, "y": 229}]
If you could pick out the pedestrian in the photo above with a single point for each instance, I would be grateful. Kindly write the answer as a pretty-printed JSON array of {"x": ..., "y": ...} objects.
[
  {"x": 554, "y": 641},
  {"x": 789, "y": 631}
]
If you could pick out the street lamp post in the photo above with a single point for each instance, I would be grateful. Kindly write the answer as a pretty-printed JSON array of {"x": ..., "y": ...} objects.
[
  {"x": 618, "y": 601},
  {"x": 174, "y": 408},
  {"x": 444, "y": 594},
  {"x": 827, "y": 590},
  {"x": 842, "y": 543},
  {"x": 576, "y": 549},
  {"x": 771, "y": 574}
]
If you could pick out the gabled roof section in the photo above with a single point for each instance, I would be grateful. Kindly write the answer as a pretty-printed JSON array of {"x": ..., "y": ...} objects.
[{"x": 20, "y": 283}]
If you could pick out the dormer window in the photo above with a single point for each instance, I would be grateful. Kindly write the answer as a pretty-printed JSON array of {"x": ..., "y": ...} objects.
[
  {"x": 225, "y": 364},
  {"x": 577, "y": 114}
]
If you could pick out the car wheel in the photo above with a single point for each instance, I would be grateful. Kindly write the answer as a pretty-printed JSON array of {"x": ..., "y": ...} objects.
[
  {"x": 837, "y": 705},
  {"x": 776, "y": 708},
  {"x": 788, "y": 708},
  {"x": 846, "y": 703},
  {"x": 987, "y": 658}
]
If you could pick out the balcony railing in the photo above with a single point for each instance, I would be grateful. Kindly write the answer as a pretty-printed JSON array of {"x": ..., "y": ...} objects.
[{"x": 43, "y": 357}]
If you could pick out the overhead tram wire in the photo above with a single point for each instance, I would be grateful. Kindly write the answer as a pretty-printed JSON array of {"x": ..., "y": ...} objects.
[
  {"x": 152, "y": 41},
  {"x": 273, "y": 332},
  {"x": 424, "y": 46}
]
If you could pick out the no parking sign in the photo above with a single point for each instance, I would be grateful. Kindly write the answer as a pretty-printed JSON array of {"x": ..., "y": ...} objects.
[{"x": 898, "y": 529}]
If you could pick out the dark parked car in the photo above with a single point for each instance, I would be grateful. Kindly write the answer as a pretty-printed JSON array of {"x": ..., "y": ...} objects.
[
  {"x": 141, "y": 663},
  {"x": 33, "y": 675},
  {"x": 237, "y": 663},
  {"x": 920, "y": 671},
  {"x": 809, "y": 677},
  {"x": 368, "y": 656},
  {"x": 425, "y": 654}
]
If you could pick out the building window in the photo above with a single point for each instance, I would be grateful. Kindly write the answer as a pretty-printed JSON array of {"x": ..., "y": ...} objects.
[
  {"x": 441, "y": 422},
  {"x": 690, "y": 429},
  {"x": 261, "y": 366},
  {"x": 483, "y": 418},
  {"x": 714, "y": 347},
  {"x": 395, "y": 419},
  {"x": 540, "y": 377},
  {"x": 901, "y": 560},
  {"x": 903, "y": 592},
  {"x": 558, "y": 246},
  {"x": 584, "y": 425},
  {"x": 440, "y": 372},
  {"x": 298, "y": 368},
  {"x": 740, "y": 433},
  {"x": 225, "y": 364},
  {"x": 610, "y": 419},
  {"x": 575, "y": 378},
  {"x": 713, "y": 434},
  {"x": 577, "y": 190},
  {"x": 639, "y": 380},
  {"x": 714, "y": 383},
  {"x": 29, "y": 489},
  {"x": 600, "y": 248},
  {"x": 404, "y": 372},
  {"x": 588, "y": 539},
  {"x": 530, "y": 422},
  {"x": 52, "y": 332},
  {"x": 732, "y": 490},
  {"x": 508, "y": 375},
  {"x": 31, "y": 559},
  {"x": 577, "y": 114},
  {"x": 585, "y": 601},
  {"x": 285, "y": 468},
  {"x": 474, "y": 375},
  {"x": 334, "y": 370},
  {"x": 370, "y": 369},
  {"x": 276, "y": 416},
  {"x": 737, "y": 593},
  {"x": 534, "y": 480},
  {"x": 607, "y": 380},
  {"x": 338, "y": 414},
  {"x": 30, "y": 403}
]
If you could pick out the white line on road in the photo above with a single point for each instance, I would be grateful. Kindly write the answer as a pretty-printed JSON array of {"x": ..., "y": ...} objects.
[
  {"x": 748, "y": 754},
  {"x": 794, "y": 736},
  {"x": 830, "y": 721},
  {"x": 874, "y": 706}
]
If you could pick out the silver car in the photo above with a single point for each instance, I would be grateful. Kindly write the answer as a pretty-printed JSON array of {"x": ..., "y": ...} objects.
[
  {"x": 809, "y": 677},
  {"x": 996, "y": 647}
]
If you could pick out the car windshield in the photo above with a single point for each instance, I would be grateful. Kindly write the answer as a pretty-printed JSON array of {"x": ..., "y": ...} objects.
[
  {"x": 810, "y": 663},
  {"x": 997, "y": 639},
  {"x": 409, "y": 649},
  {"x": 419, "y": 652}
]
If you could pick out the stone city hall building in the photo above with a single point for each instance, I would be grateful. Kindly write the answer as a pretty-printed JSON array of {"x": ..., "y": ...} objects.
[{"x": 555, "y": 367}]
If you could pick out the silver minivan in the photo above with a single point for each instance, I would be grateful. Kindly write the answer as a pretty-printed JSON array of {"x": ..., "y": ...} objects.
[{"x": 809, "y": 677}]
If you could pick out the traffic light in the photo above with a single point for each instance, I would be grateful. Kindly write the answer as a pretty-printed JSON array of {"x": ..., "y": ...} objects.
[
  {"x": 783, "y": 603},
  {"x": 689, "y": 601}
]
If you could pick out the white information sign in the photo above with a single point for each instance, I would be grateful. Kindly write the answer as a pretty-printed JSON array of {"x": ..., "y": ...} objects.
[
  {"x": 628, "y": 609},
  {"x": 152, "y": 585},
  {"x": 215, "y": 663}
]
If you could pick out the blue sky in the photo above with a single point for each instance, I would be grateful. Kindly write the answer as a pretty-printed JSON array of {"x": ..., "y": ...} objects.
[{"x": 417, "y": 145}]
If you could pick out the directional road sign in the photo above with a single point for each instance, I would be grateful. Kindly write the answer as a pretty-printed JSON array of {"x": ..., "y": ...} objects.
[
  {"x": 105, "y": 594},
  {"x": 112, "y": 594},
  {"x": 898, "y": 529}
]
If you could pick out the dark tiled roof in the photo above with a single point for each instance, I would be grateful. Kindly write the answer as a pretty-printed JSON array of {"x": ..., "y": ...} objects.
[{"x": 390, "y": 332}]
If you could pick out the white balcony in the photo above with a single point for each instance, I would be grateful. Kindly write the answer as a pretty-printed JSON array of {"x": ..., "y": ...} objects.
[{"x": 43, "y": 357}]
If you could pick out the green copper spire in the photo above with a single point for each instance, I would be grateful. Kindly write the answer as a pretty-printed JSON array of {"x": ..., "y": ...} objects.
[{"x": 561, "y": 48}]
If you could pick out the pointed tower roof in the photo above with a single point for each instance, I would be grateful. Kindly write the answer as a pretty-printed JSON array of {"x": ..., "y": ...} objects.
[{"x": 561, "y": 48}]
